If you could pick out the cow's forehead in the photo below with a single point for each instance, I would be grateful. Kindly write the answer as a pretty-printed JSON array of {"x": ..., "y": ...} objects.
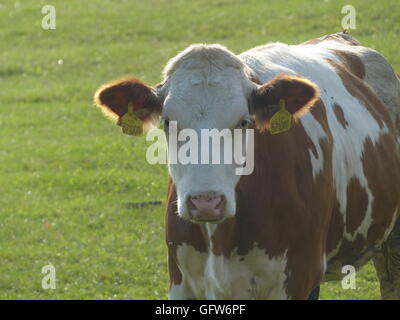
[
  {"x": 207, "y": 94},
  {"x": 206, "y": 83}
]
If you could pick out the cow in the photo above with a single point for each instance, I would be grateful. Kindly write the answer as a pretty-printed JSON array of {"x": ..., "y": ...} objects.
[{"x": 324, "y": 193}]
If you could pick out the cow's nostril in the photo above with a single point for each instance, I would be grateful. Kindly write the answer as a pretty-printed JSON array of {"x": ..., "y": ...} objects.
[
  {"x": 206, "y": 207},
  {"x": 205, "y": 202}
]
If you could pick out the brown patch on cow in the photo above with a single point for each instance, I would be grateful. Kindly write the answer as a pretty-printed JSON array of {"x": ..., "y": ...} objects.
[
  {"x": 336, "y": 228},
  {"x": 384, "y": 181},
  {"x": 341, "y": 37},
  {"x": 319, "y": 114},
  {"x": 358, "y": 89},
  {"x": 289, "y": 203},
  {"x": 357, "y": 203},
  {"x": 179, "y": 231},
  {"x": 226, "y": 237},
  {"x": 352, "y": 62},
  {"x": 340, "y": 115}
]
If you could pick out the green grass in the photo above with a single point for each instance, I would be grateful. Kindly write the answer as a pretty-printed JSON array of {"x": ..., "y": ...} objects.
[{"x": 67, "y": 175}]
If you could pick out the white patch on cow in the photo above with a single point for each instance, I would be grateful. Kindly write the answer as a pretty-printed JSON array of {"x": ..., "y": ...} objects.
[
  {"x": 179, "y": 292},
  {"x": 310, "y": 61},
  {"x": 349, "y": 142},
  {"x": 378, "y": 74},
  {"x": 279, "y": 58},
  {"x": 211, "y": 227},
  {"x": 255, "y": 275},
  {"x": 207, "y": 87}
]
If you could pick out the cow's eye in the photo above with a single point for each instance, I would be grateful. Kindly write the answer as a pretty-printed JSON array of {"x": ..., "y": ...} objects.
[{"x": 244, "y": 123}]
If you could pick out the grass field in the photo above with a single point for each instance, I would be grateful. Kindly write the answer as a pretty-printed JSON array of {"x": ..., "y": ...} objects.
[{"x": 68, "y": 176}]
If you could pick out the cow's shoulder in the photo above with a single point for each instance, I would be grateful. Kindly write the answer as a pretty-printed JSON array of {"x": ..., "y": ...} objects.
[{"x": 365, "y": 63}]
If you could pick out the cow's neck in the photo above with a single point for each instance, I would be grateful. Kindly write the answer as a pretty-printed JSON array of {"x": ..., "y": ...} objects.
[
  {"x": 221, "y": 239},
  {"x": 259, "y": 218}
]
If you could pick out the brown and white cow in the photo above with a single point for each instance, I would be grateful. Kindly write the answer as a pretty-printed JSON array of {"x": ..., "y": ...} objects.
[{"x": 324, "y": 194}]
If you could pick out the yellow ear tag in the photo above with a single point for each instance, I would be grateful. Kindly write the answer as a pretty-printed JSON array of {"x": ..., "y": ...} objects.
[
  {"x": 130, "y": 123},
  {"x": 281, "y": 121}
]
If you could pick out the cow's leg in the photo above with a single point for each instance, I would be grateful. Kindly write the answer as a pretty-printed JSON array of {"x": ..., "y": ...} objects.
[
  {"x": 178, "y": 289},
  {"x": 387, "y": 265},
  {"x": 314, "y": 295},
  {"x": 305, "y": 279}
]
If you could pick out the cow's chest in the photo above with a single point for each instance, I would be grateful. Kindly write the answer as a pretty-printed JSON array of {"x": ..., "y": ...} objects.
[{"x": 251, "y": 276}]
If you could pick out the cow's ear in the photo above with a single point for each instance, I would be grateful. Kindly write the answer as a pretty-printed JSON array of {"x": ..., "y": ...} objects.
[
  {"x": 113, "y": 99},
  {"x": 298, "y": 94}
]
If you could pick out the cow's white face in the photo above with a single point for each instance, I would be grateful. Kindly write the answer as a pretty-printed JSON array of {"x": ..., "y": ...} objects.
[
  {"x": 207, "y": 98},
  {"x": 207, "y": 87}
]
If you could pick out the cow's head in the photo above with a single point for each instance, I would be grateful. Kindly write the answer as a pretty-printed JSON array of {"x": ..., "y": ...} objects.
[{"x": 207, "y": 87}]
